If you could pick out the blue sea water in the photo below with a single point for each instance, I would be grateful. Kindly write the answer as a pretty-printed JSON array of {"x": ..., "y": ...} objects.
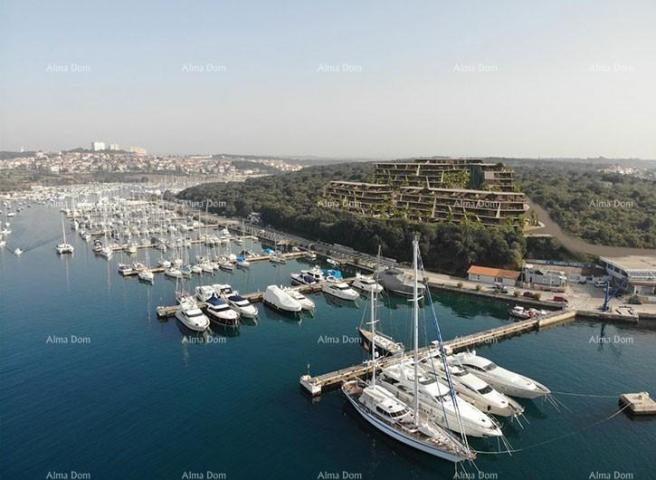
[{"x": 129, "y": 398}]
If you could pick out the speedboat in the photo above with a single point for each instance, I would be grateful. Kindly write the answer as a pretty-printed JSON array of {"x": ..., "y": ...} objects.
[
  {"x": 242, "y": 306},
  {"x": 339, "y": 289},
  {"x": 18, "y": 252},
  {"x": 366, "y": 283},
  {"x": 396, "y": 281},
  {"x": 505, "y": 381},
  {"x": 472, "y": 389},
  {"x": 190, "y": 315},
  {"x": 391, "y": 416},
  {"x": 220, "y": 312},
  {"x": 278, "y": 299},
  {"x": 438, "y": 402},
  {"x": 305, "y": 302}
]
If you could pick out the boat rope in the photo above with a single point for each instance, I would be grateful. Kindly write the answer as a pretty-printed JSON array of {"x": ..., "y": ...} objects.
[
  {"x": 555, "y": 439},
  {"x": 590, "y": 395}
]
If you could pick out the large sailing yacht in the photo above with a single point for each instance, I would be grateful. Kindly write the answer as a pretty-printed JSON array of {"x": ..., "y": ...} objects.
[{"x": 395, "y": 418}]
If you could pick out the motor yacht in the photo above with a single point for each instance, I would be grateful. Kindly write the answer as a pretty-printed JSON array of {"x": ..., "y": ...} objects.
[
  {"x": 472, "y": 389},
  {"x": 146, "y": 276},
  {"x": 339, "y": 289},
  {"x": 437, "y": 401},
  {"x": 305, "y": 302},
  {"x": 190, "y": 315},
  {"x": 504, "y": 381},
  {"x": 220, "y": 312},
  {"x": 366, "y": 283},
  {"x": 398, "y": 282},
  {"x": 307, "y": 277},
  {"x": 204, "y": 292},
  {"x": 280, "y": 300},
  {"x": 242, "y": 306}
]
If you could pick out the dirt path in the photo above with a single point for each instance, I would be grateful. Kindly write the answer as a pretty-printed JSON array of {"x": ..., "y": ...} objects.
[{"x": 581, "y": 246}]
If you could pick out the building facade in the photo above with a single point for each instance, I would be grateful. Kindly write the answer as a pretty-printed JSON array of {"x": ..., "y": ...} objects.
[{"x": 434, "y": 190}]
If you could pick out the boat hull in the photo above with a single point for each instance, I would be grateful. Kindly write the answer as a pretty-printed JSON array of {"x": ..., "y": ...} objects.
[{"x": 400, "y": 437}]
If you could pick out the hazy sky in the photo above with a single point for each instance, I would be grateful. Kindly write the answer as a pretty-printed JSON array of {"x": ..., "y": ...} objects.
[{"x": 352, "y": 78}]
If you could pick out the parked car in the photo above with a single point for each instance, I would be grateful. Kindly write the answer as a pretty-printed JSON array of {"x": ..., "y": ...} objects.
[
  {"x": 558, "y": 298},
  {"x": 599, "y": 283}
]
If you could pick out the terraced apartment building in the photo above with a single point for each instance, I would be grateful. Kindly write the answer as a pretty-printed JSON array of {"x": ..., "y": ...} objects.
[{"x": 433, "y": 190}]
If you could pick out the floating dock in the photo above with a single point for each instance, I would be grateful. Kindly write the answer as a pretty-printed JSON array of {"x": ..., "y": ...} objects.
[
  {"x": 327, "y": 381},
  {"x": 638, "y": 403}
]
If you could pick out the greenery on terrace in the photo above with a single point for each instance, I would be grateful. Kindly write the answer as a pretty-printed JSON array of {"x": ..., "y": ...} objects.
[{"x": 290, "y": 202}]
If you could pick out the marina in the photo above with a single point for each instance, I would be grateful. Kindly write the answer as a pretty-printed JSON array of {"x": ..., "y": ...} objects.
[{"x": 325, "y": 341}]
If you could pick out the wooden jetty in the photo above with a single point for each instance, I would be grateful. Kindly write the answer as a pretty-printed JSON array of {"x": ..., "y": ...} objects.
[
  {"x": 330, "y": 380},
  {"x": 254, "y": 297}
]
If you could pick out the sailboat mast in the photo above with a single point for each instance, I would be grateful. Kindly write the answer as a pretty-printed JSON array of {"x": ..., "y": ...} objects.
[
  {"x": 373, "y": 337},
  {"x": 415, "y": 313}
]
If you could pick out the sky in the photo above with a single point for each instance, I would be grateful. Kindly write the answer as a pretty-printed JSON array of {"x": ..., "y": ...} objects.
[{"x": 348, "y": 79}]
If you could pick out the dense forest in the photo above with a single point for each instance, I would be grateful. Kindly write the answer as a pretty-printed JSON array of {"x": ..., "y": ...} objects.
[
  {"x": 602, "y": 208},
  {"x": 289, "y": 202}
]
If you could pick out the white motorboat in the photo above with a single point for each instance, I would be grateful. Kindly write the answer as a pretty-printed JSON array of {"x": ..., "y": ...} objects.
[
  {"x": 220, "y": 312},
  {"x": 18, "y": 252},
  {"x": 191, "y": 316},
  {"x": 339, "y": 289},
  {"x": 164, "y": 263},
  {"x": 146, "y": 276},
  {"x": 305, "y": 302},
  {"x": 106, "y": 252},
  {"x": 366, "y": 283},
  {"x": 242, "y": 306},
  {"x": 196, "y": 269},
  {"x": 223, "y": 290},
  {"x": 437, "y": 401},
  {"x": 504, "y": 381},
  {"x": 307, "y": 277},
  {"x": 278, "y": 299}
]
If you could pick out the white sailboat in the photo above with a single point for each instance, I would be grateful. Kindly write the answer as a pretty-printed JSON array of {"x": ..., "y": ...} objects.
[
  {"x": 394, "y": 417},
  {"x": 64, "y": 247}
]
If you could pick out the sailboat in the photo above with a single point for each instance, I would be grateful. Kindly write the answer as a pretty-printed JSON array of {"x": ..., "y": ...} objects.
[
  {"x": 395, "y": 418},
  {"x": 64, "y": 247}
]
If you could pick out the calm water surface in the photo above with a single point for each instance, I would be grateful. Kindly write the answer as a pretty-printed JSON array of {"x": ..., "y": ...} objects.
[{"x": 128, "y": 398}]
